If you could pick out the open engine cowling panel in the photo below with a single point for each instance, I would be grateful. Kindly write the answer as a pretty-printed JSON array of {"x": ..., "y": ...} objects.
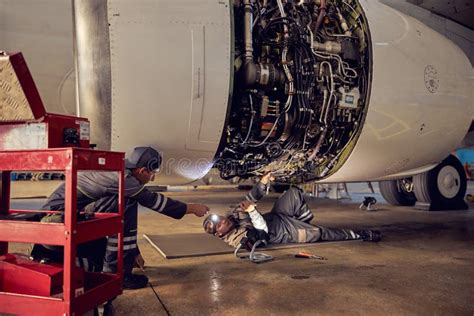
[{"x": 300, "y": 90}]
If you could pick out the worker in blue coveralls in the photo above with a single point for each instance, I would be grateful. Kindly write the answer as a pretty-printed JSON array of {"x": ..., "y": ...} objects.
[{"x": 98, "y": 192}]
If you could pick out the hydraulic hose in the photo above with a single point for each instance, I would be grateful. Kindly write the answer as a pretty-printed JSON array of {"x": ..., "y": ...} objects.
[{"x": 322, "y": 14}]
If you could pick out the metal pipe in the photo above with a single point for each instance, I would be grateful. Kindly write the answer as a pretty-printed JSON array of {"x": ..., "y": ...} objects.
[
  {"x": 323, "y": 108},
  {"x": 329, "y": 47},
  {"x": 248, "y": 31},
  {"x": 93, "y": 68},
  {"x": 343, "y": 23},
  {"x": 330, "y": 80},
  {"x": 284, "y": 61},
  {"x": 318, "y": 145},
  {"x": 322, "y": 14},
  {"x": 251, "y": 120}
]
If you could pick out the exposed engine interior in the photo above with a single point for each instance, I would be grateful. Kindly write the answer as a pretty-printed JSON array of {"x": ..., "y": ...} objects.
[{"x": 301, "y": 88}]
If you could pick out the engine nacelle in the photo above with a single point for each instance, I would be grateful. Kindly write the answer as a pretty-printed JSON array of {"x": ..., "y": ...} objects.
[
  {"x": 421, "y": 103},
  {"x": 317, "y": 90}
]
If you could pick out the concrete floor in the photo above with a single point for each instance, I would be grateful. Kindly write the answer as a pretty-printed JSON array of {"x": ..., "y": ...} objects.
[{"x": 424, "y": 266}]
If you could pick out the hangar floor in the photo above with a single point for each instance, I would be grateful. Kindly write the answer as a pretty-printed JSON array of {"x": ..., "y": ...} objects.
[{"x": 424, "y": 265}]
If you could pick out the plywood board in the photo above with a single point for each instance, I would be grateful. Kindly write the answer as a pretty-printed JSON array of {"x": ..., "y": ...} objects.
[{"x": 197, "y": 245}]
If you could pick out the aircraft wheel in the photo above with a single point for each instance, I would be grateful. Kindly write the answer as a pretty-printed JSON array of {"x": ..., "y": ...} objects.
[
  {"x": 398, "y": 192},
  {"x": 443, "y": 187}
]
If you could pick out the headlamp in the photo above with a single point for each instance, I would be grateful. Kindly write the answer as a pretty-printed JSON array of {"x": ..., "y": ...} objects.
[{"x": 210, "y": 223}]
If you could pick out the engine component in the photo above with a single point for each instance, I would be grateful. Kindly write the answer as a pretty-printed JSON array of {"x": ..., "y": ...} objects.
[
  {"x": 302, "y": 78},
  {"x": 329, "y": 47},
  {"x": 349, "y": 98},
  {"x": 263, "y": 75}
]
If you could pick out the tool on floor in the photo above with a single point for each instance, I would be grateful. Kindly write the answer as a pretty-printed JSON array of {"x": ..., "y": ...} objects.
[{"x": 308, "y": 255}]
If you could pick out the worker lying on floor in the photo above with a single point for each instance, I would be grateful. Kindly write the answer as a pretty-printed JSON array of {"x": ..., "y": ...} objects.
[
  {"x": 98, "y": 192},
  {"x": 288, "y": 222}
]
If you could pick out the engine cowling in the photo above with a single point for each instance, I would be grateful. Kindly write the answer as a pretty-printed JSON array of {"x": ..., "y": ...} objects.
[{"x": 421, "y": 102}]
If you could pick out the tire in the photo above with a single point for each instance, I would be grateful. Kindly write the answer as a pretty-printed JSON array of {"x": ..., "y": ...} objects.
[
  {"x": 444, "y": 187},
  {"x": 394, "y": 194}
]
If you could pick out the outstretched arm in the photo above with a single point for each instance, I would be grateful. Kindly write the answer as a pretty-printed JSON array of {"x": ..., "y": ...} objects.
[
  {"x": 259, "y": 189},
  {"x": 167, "y": 206},
  {"x": 197, "y": 209},
  {"x": 257, "y": 219}
]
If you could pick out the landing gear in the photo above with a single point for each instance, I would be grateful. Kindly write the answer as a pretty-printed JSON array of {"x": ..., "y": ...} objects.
[
  {"x": 442, "y": 188},
  {"x": 398, "y": 192}
]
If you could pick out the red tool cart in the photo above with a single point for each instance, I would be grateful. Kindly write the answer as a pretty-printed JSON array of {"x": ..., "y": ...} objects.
[
  {"x": 28, "y": 287},
  {"x": 32, "y": 139}
]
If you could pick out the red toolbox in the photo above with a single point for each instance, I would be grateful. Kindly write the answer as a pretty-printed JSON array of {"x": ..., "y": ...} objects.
[
  {"x": 24, "y": 276},
  {"x": 24, "y": 122}
]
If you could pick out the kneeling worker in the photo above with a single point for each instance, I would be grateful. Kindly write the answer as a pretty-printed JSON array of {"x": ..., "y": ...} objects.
[
  {"x": 288, "y": 222},
  {"x": 98, "y": 192}
]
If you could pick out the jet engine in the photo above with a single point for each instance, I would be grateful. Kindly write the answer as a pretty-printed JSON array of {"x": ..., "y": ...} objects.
[
  {"x": 301, "y": 88},
  {"x": 324, "y": 90}
]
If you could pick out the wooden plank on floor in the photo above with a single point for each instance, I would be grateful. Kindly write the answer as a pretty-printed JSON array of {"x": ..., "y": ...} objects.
[{"x": 197, "y": 245}]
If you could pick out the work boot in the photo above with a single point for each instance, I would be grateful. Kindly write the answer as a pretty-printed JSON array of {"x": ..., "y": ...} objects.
[
  {"x": 134, "y": 281},
  {"x": 370, "y": 235}
]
